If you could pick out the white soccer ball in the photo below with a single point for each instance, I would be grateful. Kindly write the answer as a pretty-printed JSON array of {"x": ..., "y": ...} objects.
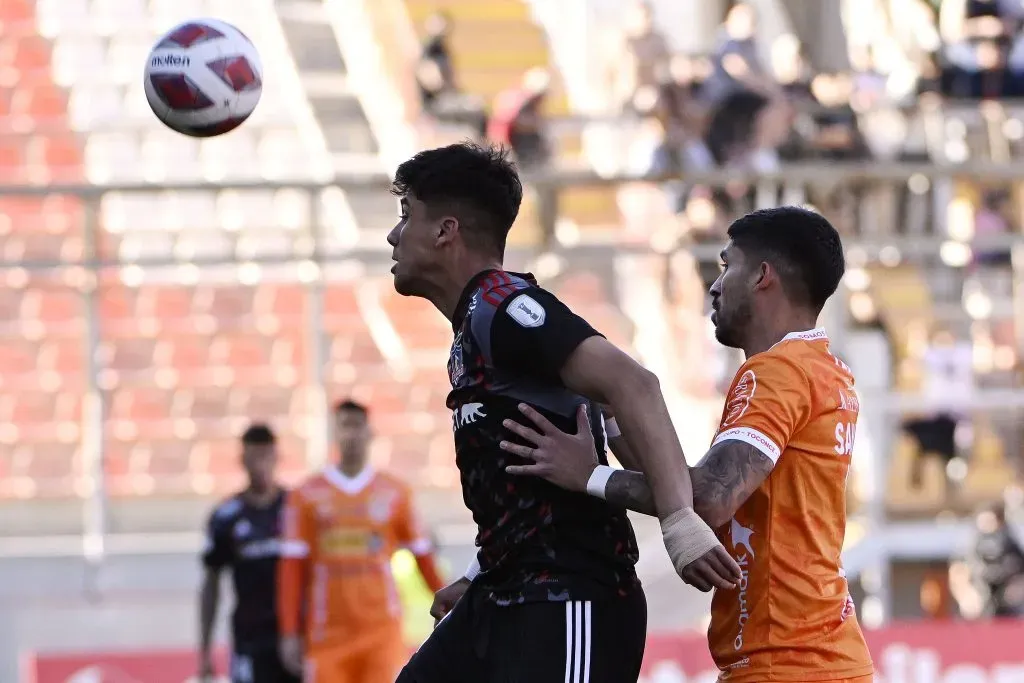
[{"x": 203, "y": 78}]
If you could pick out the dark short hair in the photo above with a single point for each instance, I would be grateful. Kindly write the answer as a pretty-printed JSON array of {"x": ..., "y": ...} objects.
[
  {"x": 258, "y": 435},
  {"x": 349, "y": 406},
  {"x": 801, "y": 244},
  {"x": 478, "y": 184}
]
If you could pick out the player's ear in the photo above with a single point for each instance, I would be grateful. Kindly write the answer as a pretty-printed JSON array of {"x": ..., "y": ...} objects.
[
  {"x": 765, "y": 276},
  {"x": 445, "y": 230}
]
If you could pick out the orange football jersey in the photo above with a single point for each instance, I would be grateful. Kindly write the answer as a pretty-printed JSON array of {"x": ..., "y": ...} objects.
[
  {"x": 792, "y": 617},
  {"x": 340, "y": 534}
]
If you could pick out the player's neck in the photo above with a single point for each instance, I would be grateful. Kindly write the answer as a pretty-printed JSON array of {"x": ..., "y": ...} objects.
[
  {"x": 351, "y": 470},
  {"x": 261, "y": 496},
  {"x": 464, "y": 270},
  {"x": 782, "y": 325}
]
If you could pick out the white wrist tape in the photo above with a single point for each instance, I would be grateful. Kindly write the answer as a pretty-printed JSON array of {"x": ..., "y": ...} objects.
[
  {"x": 611, "y": 428},
  {"x": 686, "y": 537},
  {"x": 473, "y": 570},
  {"x": 598, "y": 481}
]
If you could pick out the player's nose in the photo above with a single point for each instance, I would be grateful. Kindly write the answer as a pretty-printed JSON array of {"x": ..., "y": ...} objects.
[{"x": 393, "y": 237}]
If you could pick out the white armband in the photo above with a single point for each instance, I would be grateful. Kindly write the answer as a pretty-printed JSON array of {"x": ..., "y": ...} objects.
[
  {"x": 598, "y": 481},
  {"x": 473, "y": 570},
  {"x": 611, "y": 428}
]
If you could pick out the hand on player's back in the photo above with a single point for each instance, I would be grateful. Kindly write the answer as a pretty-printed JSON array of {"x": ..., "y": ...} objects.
[
  {"x": 566, "y": 460},
  {"x": 445, "y": 599}
]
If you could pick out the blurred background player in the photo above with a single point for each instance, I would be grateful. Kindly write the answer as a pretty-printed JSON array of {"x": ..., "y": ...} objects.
[
  {"x": 243, "y": 534},
  {"x": 340, "y": 616},
  {"x": 773, "y": 482}
]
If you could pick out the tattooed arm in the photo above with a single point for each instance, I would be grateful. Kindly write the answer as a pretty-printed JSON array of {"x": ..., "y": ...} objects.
[{"x": 729, "y": 473}]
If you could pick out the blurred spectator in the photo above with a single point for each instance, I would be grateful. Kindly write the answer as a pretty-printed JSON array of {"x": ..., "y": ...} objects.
[
  {"x": 948, "y": 385},
  {"x": 751, "y": 116},
  {"x": 997, "y": 565},
  {"x": 644, "y": 50},
  {"x": 936, "y": 599},
  {"x": 518, "y": 120},
  {"x": 979, "y": 37},
  {"x": 993, "y": 217},
  {"x": 435, "y": 76}
]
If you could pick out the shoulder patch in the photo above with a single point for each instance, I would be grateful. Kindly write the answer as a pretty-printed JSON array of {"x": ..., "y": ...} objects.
[
  {"x": 228, "y": 508},
  {"x": 526, "y": 311}
]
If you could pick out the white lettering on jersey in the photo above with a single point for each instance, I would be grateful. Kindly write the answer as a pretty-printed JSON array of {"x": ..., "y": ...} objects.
[
  {"x": 526, "y": 311},
  {"x": 846, "y": 432}
]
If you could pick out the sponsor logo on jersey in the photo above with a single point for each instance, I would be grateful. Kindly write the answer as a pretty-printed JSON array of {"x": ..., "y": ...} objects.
[
  {"x": 744, "y": 555},
  {"x": 526, "y": 311},
  {"x": 257, "y": 550},
  {"x": 739, "y": 399},
  {"x": 346, "y": 542},
  {"x": 467, "y": 413}
]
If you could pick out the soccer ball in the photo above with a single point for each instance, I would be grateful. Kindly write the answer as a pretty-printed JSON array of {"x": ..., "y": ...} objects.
[{"x": 203, "y": 78}]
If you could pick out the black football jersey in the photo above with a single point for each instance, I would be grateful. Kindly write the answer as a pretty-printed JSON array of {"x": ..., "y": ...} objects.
[
  {"x": 537, "y": 542},
  {"x": 246, "y": 539}
]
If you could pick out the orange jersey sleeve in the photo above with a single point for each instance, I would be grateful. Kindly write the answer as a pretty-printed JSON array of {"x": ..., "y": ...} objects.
[
  {"x": 410, "y": 534},
  {"x": 769, "y": 402},
  {"x": 293, "y": 570}
]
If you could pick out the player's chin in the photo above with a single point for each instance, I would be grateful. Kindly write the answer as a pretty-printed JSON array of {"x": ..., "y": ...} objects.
[
  {"x": 404, "y": 285},
  {"x": 724, "y": 335}
]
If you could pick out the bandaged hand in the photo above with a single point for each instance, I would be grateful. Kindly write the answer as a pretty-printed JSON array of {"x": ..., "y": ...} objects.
[{"x": 698, "y": 557}]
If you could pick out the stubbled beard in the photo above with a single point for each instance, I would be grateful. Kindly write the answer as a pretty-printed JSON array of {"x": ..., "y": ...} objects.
[{"x": 729, "y": 327}]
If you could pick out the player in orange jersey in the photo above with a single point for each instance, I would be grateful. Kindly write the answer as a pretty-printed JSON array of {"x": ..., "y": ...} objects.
[
  {"x": 773, "y": 483},
  {"x": 338, "y": 606}
]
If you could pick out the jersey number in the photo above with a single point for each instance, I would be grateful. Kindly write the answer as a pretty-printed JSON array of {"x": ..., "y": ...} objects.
[{"x": 846, "y": 432}]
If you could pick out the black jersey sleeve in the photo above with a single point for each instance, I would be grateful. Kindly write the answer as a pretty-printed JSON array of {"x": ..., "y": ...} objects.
[
  {"x": 217, "y": 544},
  {"x": 533, "y": 333}
]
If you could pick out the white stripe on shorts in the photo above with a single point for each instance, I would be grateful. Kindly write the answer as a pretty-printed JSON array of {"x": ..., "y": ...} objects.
[{"x": 577, "y": 641}]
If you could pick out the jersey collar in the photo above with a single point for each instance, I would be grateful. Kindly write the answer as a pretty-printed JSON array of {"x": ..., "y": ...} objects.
[
  {"x": 817, "y": 334},
  {"x": 349, "y": 485},
  {"x": 474, "y": 283}
]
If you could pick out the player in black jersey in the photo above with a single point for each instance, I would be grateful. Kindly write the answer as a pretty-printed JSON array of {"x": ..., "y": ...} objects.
[
  {"x": 553, "y": 595},
  {"x": 243, "y": 534}
]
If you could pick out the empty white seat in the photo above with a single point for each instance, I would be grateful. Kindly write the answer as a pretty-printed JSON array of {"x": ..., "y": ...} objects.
[
  {"x": 291, "y": 209},
  {"x": 264, "y": 243},
  {"x": 238, "y": 209},
  {"x": 125, "y": 58},
  {"x": 54, "y": 17},
  {"x": 118, "y": 16},
  {"x": 209, "y": 244},
  {"x": 111, "y": 157},
  {"x": 92, "y": 105},
  {"x": 77, "y": 59},
  {"x": 145, "y": 245},
  {"x": 123, "y": 212}
]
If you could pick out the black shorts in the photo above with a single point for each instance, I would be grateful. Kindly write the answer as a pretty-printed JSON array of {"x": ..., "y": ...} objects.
[
  {"x": 259, "y": 663},
  {"x": 539, "y": 642}
]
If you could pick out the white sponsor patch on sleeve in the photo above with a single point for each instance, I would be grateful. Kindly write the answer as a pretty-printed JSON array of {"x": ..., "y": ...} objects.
[
  {"x": 752, "y": 437},
  {"x": 526, "y": 311}
]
